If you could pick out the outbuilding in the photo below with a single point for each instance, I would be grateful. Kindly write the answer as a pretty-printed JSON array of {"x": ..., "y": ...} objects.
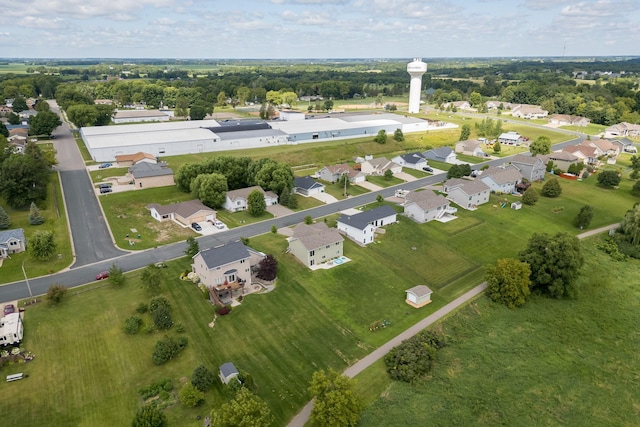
[
  {"x": 228, "y": 371},
  {"x": 418, "y": 296}
]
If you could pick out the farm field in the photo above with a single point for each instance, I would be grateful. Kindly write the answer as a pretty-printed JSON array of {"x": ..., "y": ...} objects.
[{"x": 551, "y": 362}]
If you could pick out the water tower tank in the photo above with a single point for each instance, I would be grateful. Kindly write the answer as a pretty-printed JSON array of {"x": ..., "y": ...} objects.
[{"x": 416, "y": 69}]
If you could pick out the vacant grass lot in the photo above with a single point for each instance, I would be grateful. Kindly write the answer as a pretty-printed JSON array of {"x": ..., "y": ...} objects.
[
  {"x": 552, "y": 362},
  {"x": 102, "y": 175},
  {"x": 383, "y": 181}
]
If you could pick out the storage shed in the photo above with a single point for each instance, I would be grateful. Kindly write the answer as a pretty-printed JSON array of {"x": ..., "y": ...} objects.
[
  {"x": 418, "y": 296},
  {"x": 228, "y": 372},
  {"x": 516, "y": 205}
]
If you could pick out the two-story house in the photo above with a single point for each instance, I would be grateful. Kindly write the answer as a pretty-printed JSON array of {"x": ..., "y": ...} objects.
[
  {"x": 314, "y": 244},
  {"x": 465, "y": 193},
  {"x": 361, "y": 227},
  {"x": 424, "y": 206},
  {"x": 12, "y": 242},
  {"x": 238, "y": 200},
  {"x": 379, "y": 166},
  {"x": 532, "y": 168},
  {"x": 502, "y": 179}
]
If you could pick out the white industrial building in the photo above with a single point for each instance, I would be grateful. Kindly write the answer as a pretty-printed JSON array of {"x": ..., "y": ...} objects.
[{"x": 203, "y": 136}]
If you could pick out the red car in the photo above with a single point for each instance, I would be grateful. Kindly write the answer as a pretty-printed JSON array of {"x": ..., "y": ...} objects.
[
  {"x": 9, "y": 308},
  {"x": 102, "y": 275}
]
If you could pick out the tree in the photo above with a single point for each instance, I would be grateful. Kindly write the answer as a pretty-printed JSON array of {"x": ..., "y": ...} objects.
[
  {"x": 635, "y": 190},
  {"x": 19, "y": 104},
  {"x": 190, "y": 396},
  {"x": 116, "y": 276},
  {"x": 465, "y": 132},
  {"x": 455, "y": 172},
  {"x": 3, "y": 130},
  {"x": 42, "y": 245},
  {"x": 497, "y": 147},
  {"x": 56, "y": 293},
  {"x": 542, "y": 145},
  {"x": 151, "y": 278},
  {"x": 202, "y": 378},
  {"x": 584, "y": 217},
  {"x": 381, "y": 138},
  {"x": 82, "y": 115},
  {"x": 267, "y": 268},
  {"x": 210, "y": 188},
  {"x": 388, "y": 174},
  {"x": 35, "y": 217},
  {"x": 475, "y": 99},
  {"x": 257, "y": 205},
  {"x": 328, "y": 105},
  {"x": 336, "y": 403},
  {"x": 245, "y": 410},
  {"x": 398, "y": 135},
  {"x": 24, "y": 178},
  {"x": 414, "y": 357},
  {"x": 5, "y": 223},
  {"x": 609, "y": 178},
  {"x": 508, "y": 282},
  {"x": 530, "y": 196},
  {"x": 555, "y": 263},
  {"x": 192, "y": 247},
  {"x": 132, "y": 325},
  {"x": 198, "y": 111},
  {"x": 44, "y": 123},
  {"x": 13, "y": 119},
  {"x": 149, "y": 416},
  {"x": 630, "y": 225},
  {"x": 552, "y": 188},
  {"x": 308, "y": 220}
]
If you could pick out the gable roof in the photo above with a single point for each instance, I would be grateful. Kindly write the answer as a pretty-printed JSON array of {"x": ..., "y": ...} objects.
[
  {"x": 243, "y": 193},
  {"x": 412, "y": 158},
  {"x": 339, "y": 169},
  {"x": 14, "y": 234},
  {"x": 136, "y": 157},
  {"x": 146, "y": 170},
  {"x": 501, "y": 175},
  {"x": 602, "y": 144},
  {"x": 362, "y": 219},
  {"x": 426, "y": 199},
  {"x": 469, "y": 187},
  {"x": 560, "y": 155},
  {"x": 224, "y": 254},
  {"x": 582, "y": 149},
  {"x": 316, "y": 235},
  {"x": 438, "y": 153},
  {"x": 227, "y": 369},
  {"x": 526, "y": 160},
  {"x": 420, "y": 290},
  {"x": 183, "y": 209},
  {"x": 307, "y": 183}
]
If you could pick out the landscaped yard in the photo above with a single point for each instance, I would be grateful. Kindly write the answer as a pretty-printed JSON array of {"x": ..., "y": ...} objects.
[
  {"x": 383, "y": 181},
  {"x": 102, "y": 175},
  {"x": 337, "y": 190}
]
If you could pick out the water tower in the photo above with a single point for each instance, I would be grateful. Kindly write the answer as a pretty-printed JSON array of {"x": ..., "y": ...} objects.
[{"x": 416, "y": 69}]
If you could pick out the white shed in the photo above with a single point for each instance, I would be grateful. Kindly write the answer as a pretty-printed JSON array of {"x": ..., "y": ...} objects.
[
  {"x": 516, "y": 205},
  {"x": 418, "y": 296},
  {"x": 228, "y": 372}
]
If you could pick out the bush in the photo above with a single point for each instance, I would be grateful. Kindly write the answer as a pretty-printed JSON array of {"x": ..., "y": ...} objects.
[
  {"x": 162, "y": 318},
  {"x": 142, "y": 308},
  {"x": 414, "y": 357},
  {"x": 222, "y": 311},
  {"x": 132, "y": 325},
  {"x": 530, "y": 196},
  {"x": 56, "y": 293},
  {"x": 202, "y": 378},
  {"x": 158, "y": 302},
  {"x": 552, "y": 188},
  {"x": 267, "y": 268},
  {"x": 148, "y": 416},
  {"x": 179, "y": 327},
  {"x": 190, "y": 396},
  {"x": 167, "y": 349},
  {"x": 149, "y": 329},
  {"x": 635, "y": 190},
  {"x": 609, "y": 178}
]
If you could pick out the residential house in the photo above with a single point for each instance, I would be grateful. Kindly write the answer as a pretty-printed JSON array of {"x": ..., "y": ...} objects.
[
  {"x": 622, "y": 129},
  {"x": 568, "y": 120},
  {"x": 525, "y": 111},
  {"x": 496, "y": 105},
  {"x": 149, "y": 175},
  {"x": 333, "y": 173},
  {"x": 27, "y": 114},
  {"x": 315, "y": 244},
  {"x": 411, "y": 160},
  {"x": 588, "y": 155},
  {"x": 379, "y": 166},
  {"x": 238, "y": 200},
  {"x": 441, "y": 154},
  {"x": 531, "y": 168},
  {"x": 361, "y": 227},
  {"x": 424, "y": 206},
  {"x": 226, "y": 267},
  {"x": 184, "y": 213},
  {"x": 12, "y": 242},
  {"x": 502, "y": 179},
  {"x": 511, "y": 138},
  {"x": 5, "y": 110},
  {"x": 603, "y": 147},
  {"x": 465, "y": 193},
  {"x": 228, "y": 372},
  {"x": 561, "y": 159},
  {"x": 625, "y": 145},
  {"x": 17, "y": 143},
  {"x": 470, "y": 147},
  {"x": 307, "y": 186},
  {"x": 418, "y": 296},
  {"x": 460, "y": 105},
  {"x": 124, "y": 160}
]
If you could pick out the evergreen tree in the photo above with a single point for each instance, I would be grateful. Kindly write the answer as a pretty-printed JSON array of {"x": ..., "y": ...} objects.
[
  {"x": 35, "y": 217},
  {"x": 4, "y": 219}
]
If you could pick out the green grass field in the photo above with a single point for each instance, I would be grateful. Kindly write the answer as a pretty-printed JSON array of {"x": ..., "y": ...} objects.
[
  {"x": 383, "y": 181},
  {"x": 552, "y": 362}
]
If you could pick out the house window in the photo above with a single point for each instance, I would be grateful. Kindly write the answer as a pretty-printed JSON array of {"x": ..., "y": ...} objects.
[
  {"x": 242, "y": 261},
  {"x": 312, "y": 253},
  {"x": 328, "y": 246},
  {"x": 312, "y": 262},
  {"x": 161, "y": 150},
  {"x": 218, "y": 280}
]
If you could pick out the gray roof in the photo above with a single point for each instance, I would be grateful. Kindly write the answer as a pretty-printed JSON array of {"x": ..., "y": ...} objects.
[
  {"x": 224, "y": 254},
  {"x": 412, "y": 158},
  {"x": 184, "y": 209},
  {"x": 227, "y": 369},
  {"x": 439, "y": 153},
  {"x": 469, "y": 187},
  {"x": 526, "y": 160},
  {"x": 420, "y": 290},
  {"x": 6, "y": 235},
  {"x": 316, "y": 235},
  {"x": 307, "y": 183},
  {"x": 426, "y": 199},
  {"x": 502, "y": 175},
  {"x": 146, "y": 170},
  {"x": 243, "y": 193},
  {"x": 362, "y": 219}
]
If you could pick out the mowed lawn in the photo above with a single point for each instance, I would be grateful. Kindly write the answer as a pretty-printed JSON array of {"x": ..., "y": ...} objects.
[{"x": 551, "y": 362}]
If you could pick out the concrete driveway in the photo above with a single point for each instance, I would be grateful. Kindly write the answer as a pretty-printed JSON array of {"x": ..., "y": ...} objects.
[
  {"x": 369, "y": 186},
  {"x": 405, "y": 176},
  {"x": 279, "y": 210},
  {"x": 325, "y": 197}
]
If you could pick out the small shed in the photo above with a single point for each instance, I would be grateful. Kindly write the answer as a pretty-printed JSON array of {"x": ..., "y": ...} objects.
[
  {"x": 516, "y": 205},
  {"x": 228, "y": 371},
  {"x": 418, "y": 296}
]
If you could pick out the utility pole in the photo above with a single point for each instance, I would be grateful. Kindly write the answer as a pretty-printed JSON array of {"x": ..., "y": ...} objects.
[{"x": 27, "y": 281}]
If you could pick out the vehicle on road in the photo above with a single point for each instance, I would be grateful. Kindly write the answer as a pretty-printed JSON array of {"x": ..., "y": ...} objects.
[
  {"x": 105, "y": 165},
  {"x": 102, "y": 275},
  {"x": 9, "y": 308},
  {"x": 196, "y": 226}
]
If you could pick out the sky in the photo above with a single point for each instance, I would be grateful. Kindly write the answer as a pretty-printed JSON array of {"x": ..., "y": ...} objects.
[{"x": 293, "y": 29}]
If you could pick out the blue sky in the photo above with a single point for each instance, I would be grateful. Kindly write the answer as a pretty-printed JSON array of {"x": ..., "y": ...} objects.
[{"x": 317, "y": 28}]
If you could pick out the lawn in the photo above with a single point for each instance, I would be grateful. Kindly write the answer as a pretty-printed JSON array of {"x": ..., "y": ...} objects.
[
  {"x": 102, "y": 175},
  {"x": 416, "y": 173},
  {"x": 86, "y": 156},
  {"x": 552, "y": 362},
  {"x": 306, "y": 202},
  {"x": 56, "y": 220},
  {"x": 237, "y": 219},
  {"x": 383, "y": 181},
  {"x": 590, "y": 129},
  {"x": 337, "y": 190}
]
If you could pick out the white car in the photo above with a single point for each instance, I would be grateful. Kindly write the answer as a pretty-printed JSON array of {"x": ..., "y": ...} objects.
[{"x": 218, "y": 224}]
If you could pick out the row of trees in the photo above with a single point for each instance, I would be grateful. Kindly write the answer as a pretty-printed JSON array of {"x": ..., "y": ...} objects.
[{"x": 24, "y": 177}]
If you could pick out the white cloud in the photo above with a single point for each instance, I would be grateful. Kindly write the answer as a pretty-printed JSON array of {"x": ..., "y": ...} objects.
[
  {"x": 115, "y": 9},
  {"x": 307, "y": 18}
]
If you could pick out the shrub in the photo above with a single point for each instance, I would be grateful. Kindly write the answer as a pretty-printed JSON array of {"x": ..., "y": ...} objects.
[
  {"x": 149, "y": 329},
  {"x": 530, "y": 196},
  {"x": 142, "y": 308},
  {"x": 552, "y": 188},
  {"x": 132, "y": 325},
  {"x": 202, "y": 378},
  {"x": 190, "y": 396},
  {"x": 162, "y": 318},
  {"x": 179, "y": 327},
  {"x": 35, "y": 217},
  {"x": 157, "y": 302},
  {"x": 56, "y": 293},
  {"x": 635, "y": 190},
  {"x": 608, "y": 178},
  {"x": 222, "y": 311},
  {"x": 167, "y": 349},
  {"x": 149, "y": 415},
  {"x": 414, "y": 357},
  {"x": 267, "y": 268}
]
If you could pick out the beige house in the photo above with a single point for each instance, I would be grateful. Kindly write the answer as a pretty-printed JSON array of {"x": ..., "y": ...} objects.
[
  {"x": 227, "y": 267},
  {"x": 525, "y": 111},
  {"x": 568, "y": 120},
  {"x": 424, "y": 206},
  {"x": 379, "y": 166},
  {"x": 315, "y": 244},
  {"x": 467, "y": 194},
  {"x": 238, "y": 200},
  {"x": 561, "y": 160},
  {"x": 333, "y": 173},
  {"x": 123, "y": 160},
  {"x": 470, "y": 147},
  {"x": 185, "y": 213},
  {"x": 603, "y": 147},
  {"x": 149, "y": 175},
  {"x": 622, "y": 129}
]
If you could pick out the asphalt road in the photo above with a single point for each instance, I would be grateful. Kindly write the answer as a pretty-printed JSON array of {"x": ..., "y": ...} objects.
[{"x": 93, "y": 242}]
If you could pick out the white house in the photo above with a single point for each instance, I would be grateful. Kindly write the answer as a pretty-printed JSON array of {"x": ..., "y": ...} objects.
[
  {"x": 315, "y": 244},
  {"x": 307, "y": 186},
  {"x": 525, "y": 111},
  {"x": 622, "y": 129},
  {"x": 424, "y": 206},
  {"x": 362, "y": 226},
  {"x": 379, "y": 166},
  {"x": 11, "y": 329},
  {"x": 184, "y": 213},
  {"x": 418, "y": 296},
  {"x": 411, "y": 160},
  {"x": 333, "y": 173},
  {"x": 510, "y": 138},
  {"x": 238, "y": 200},
  {"x": 502, "y": 179},
  {"x": 568, "y": 120},
  {"x": 441, "y": 154},
  {"x": 467, "y": 194},
  {"x": 12, "y": 242}
]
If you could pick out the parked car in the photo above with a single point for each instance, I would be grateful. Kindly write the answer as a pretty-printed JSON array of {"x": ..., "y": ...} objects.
[
  {"x": 196, "y": 226},
  {"x": 9, "y": 308},
  {"x": 105, "y": 165},
  {"x": 105, "y": 189},
  {"x": 427, "y": 169},
  {"x": 218, "y": 224},
  {"x": 102, "y": 275}
]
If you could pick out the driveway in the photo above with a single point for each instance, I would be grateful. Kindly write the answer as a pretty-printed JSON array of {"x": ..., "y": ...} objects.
[
  {"x": 279, "y": 210},
  {"x": 325, "y": 197},
  {"x": 369, "y": 186},
  {"x": 405, "y": 176}
]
